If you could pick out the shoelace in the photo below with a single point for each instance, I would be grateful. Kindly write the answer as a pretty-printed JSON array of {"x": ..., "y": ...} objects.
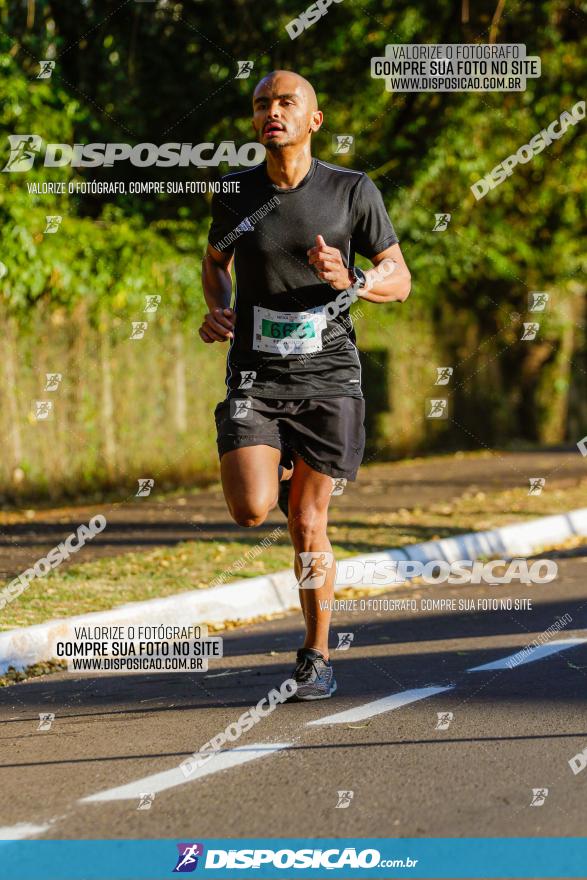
[{"x": 304, "y": 669}]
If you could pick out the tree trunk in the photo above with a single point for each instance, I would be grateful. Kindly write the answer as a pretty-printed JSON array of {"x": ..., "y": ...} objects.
[
  {"x": 10, "y": 391},
  {"x": 180, "y": 384},
  {"x": 107, "y": 401}
]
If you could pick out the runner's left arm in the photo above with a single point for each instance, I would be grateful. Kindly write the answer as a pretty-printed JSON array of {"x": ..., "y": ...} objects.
[
  {"x": 389, "y": 280},
  {"x": 374, "y": 237}
]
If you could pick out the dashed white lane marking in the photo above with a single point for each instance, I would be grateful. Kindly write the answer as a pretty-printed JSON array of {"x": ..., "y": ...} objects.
[
  {"x": 171, "y": 778},
  {"x": 512, "y": 661},
  {"x": 22, "y": 831},
  {"x": 386, "y": 704},
  {"x": 242, "y": 754}
]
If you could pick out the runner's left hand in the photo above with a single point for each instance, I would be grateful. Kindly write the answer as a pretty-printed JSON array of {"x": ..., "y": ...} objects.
[{"x": 328, "y": 265}]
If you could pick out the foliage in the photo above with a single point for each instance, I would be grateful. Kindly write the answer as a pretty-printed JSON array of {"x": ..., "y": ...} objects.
[{"x": 164, "y": 71}]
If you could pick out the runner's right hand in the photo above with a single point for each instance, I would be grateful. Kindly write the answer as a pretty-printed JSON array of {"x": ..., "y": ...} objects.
[{"x": 218, "y": 325}]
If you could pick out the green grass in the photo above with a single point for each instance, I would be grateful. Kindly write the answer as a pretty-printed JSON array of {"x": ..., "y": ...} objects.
[{"x": 132, "y": 577}]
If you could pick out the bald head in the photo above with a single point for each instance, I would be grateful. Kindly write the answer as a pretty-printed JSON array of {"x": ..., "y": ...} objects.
[
  {"x": 285, "y": 110},
  {"x": 287, "y": 78}
]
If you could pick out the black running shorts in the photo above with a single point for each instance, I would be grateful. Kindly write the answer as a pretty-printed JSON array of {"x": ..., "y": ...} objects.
[{"x": 327, "y": 434}]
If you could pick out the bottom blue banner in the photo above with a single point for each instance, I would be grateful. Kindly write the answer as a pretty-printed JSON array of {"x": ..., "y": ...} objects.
[{"x": 294, "y": 857}]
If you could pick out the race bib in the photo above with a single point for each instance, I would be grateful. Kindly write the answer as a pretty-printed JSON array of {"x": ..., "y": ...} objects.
[{"x": 288, "y": 333}]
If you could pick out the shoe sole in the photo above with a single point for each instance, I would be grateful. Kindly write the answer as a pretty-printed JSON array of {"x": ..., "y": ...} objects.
[{"x": 296, "y": 699}]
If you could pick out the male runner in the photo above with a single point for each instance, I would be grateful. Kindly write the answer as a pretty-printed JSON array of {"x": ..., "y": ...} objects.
[{"x": 294, "y": 409}]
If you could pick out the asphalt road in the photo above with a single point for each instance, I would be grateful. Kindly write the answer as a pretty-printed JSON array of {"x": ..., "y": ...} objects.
[{"x": 513, "y": 730}]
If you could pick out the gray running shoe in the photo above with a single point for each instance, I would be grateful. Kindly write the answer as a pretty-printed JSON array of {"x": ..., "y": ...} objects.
[{"x": 314, "y": 676}]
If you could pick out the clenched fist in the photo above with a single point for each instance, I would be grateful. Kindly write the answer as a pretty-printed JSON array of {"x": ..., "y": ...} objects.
[
  {"x": 328, "y": 265},
  {"x": 218, "y": 325}
]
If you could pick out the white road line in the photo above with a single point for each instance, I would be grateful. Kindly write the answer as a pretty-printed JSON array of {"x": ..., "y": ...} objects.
[
  {"x": 225, "y": 760},
  {"x": 386, "y": 704},
  {"x": 22, "y": 831},
  {"x": 171, "y": 778},
  {"x": 521, "y": 657}
]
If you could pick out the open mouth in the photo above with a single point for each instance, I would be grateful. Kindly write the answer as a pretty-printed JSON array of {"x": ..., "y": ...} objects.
[{"x": 273, "y": 128}]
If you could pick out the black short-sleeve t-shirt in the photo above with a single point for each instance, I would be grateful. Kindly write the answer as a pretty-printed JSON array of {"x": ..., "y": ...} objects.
[{"x": 289, "y": 343}]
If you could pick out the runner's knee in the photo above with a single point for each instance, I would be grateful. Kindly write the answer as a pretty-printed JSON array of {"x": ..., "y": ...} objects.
[
  {"x": 248, "y": 515},
  {"x": 307, "y": 526}
]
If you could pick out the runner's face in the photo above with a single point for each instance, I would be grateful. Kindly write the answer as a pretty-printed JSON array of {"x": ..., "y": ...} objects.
[{"x": 281, "y": 115}]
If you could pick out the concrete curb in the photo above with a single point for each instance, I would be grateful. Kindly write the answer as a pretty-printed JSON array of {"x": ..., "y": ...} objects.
[{"x": 249, "y": 597}]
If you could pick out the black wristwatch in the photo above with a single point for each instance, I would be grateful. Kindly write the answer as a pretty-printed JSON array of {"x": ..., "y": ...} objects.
[{"x": 358, "y": 278}]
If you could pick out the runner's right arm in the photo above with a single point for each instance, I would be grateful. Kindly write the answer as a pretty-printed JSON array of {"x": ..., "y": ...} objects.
[{"x": 218, "y": 324}]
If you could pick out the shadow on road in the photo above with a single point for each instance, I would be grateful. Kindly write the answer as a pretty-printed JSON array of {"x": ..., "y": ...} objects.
[{"x": 364, "y": 673}]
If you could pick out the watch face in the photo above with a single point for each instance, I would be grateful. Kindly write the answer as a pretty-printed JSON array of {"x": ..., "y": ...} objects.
[{"x": 361, "y": 280}]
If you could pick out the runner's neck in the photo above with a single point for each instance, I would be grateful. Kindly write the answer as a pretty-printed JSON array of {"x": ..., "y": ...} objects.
[{"x": 287, "y": 172}]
